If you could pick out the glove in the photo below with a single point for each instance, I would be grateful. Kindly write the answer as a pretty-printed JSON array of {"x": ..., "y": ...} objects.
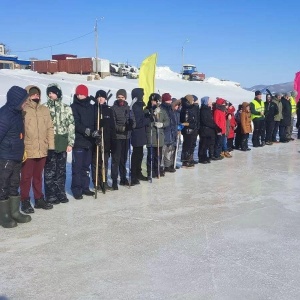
[
  {"x": 87, "y": 132},
  {"x": 96, "y": 134},
  {"x": 129, "y": 125},
  {"x": 98, "y": 141},
  {"x": 185, "y": 124},
  {"x": 157, "y": 111},
  {"x": 158, "y": 124},
  {"x": 180, "y": 127}
]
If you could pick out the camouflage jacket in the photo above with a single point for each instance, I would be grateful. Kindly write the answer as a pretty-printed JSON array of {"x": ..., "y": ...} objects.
[{"x": 62, "y": 117}]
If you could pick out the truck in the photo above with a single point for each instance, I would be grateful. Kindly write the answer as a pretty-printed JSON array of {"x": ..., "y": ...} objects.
[{"x": 189, "y": 72}]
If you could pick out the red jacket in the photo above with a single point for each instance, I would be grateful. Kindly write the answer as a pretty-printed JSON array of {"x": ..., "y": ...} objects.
[
  {"x": 232, "y": 122},
  {"x": 220, "y": 119}
]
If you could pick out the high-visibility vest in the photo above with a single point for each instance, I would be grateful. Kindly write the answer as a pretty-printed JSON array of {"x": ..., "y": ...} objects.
[
  {"x": 258, "y": 107},
  {"x": 293, "y": 105}
]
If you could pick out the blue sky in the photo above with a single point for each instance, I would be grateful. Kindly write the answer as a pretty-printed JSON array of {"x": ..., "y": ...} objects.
[{"x": 251, "y": 42}]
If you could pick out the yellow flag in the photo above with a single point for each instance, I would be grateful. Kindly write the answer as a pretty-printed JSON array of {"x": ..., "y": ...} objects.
[{"x": 147, "y": 76}]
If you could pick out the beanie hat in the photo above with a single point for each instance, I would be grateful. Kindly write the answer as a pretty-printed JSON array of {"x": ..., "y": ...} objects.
[
  {"x": 122, "y": 92},
  {"x": 55, "y": 90},
  {"x": 34, "y": 90},
  {"x": 154, "y": 96},
  {"x": 16, "y": 96},
  {"x": 101, "y": 93},
  {"x": 257, "y": 93},
  {"x": 190, "y": 99},
  {"x": 166, "y": 97},
  {"x": 294, "y": 93},
  {"x": 287, "y": 94},
  {"x": 220, "y": 101},
  {"x": 82, "y": 90},
  {"x": 195, "y": 98},
  {"x": 278, "y": 94},
  {"x": 204, "y": 100}
]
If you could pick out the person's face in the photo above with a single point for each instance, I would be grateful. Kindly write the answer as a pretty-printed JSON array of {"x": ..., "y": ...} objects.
[
  {"x": 153, "y": 103},
  {"x": 248, "y": 108},
  {"x": 258, "y": 96},
  {"x": 176, "y": 107},
  {"x": 101, "y": 100},
  {"x": 121, "y": 97},
  {"x": 209, "y": 102},
  {"x": 52, "y": 96},
  {"x": 34, "y": 96},
  {"x": 81, "y": 97},
  {"x": 268, "y": 98}
]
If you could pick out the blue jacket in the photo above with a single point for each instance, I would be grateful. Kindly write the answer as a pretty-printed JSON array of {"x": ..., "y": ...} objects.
[{"x": 12, "y": 128}]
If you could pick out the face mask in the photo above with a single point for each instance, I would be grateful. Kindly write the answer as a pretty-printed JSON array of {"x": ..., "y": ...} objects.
[{"x": 36, "y": 100}]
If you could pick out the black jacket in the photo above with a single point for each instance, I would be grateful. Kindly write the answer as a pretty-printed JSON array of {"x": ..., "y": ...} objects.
[
  {"x": 11, "y": 131},
  {"x": 107, "y": 123},
  {"x": 208, "y": 127},
  {"x": 138, "y": 136},
  {"x": 83, "y": 113},
  {"x": 271, "y": 109},
  {"x": 286, "y": 112},
  {"x": 188, "y": 115}
]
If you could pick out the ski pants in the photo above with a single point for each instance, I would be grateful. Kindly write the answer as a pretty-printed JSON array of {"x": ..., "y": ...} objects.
[
  {"x": 282, "y": 133},
  {"x": 188, "y": 147},
  {"x": 204, "y": 145},
  {"x": 238, "y": 137},
  {"x": 136, "y": 161},
  {"x": 9, "y": 178},
  {"x": 258, "y": 135},
  {"x": 154, "y": 156},
  {"x": 269, "y": 130},
  {"x": 275, "y": 131},
  {"x": 245, "y": 138},
  {"x": 55, "y": 176},
  {"x": 81, "y": 163},
  {"x": 168, "y": 154},
  {"x": 119, "y": 158},
  {"x": 218, "y": 146},
  {"x": 32, "y": 173}
]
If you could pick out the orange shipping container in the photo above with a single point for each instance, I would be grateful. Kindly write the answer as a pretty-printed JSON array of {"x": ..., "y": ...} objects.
[
  {"x": 45, "y": 66},
  {"x": 62, "y": 65},
  {"x": 80, "y": 66}
]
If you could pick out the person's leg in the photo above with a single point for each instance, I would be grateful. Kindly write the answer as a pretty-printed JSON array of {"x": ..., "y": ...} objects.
[
  {"x": 123, "y": 160},
  {"x": 134, "y": 163},
  {"x": 115, "y": 161},
  {"x": 275, "y": 131},
  {"x": 256, "y": 133},
  {"x": 50, "y": 180},
  {"x": 77, "y": 170},
  {"x": 85, "y": 175},
  {"x": 61, "y": 176},
  {"x": 37, "y": 179},
  {"x": 27, "y": 171}
]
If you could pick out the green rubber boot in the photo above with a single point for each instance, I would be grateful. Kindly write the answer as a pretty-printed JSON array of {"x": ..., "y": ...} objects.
[
  {"x": 14, "y": 202},
  {"x": 5, "y": 216}
]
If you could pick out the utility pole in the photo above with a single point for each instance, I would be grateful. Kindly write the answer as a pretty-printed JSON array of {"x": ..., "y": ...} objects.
[
  {"x": 182, "y": 54},
  {"x": 96, "y": 42}
]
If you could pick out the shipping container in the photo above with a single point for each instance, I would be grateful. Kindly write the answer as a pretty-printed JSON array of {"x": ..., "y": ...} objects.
[
  {"x": 63, "y": 56},
  {"x": 103, "y": 66},
  {"x": 80, "y": 65},
  {"x": 62, "y": 66},
  {"x": 45, "y": 66}
]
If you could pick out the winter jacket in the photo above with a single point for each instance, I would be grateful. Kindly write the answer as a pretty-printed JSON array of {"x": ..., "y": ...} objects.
[
  {"x": 11, "y": 130},
  {"x": 231, "y": 124},
  {"x": 109, "y": 129},
  {"x": 246, "y": 125},
  {"x": 39, "y": 133},
  {"x": 188, "y": 115},
  {"x": 171, "y": 130},
  {"x": 256, "y": 107},
  {"x": 62, "y": 118},
  {"x": 138, "y": 136},
  {"x": 208, "y": 127},
  {"x": 271, "y": 110},
  {"x": 278, "y": 117},
  {"x": 160, "y": 115},
  {"x": 220, "y": 118},
  {"x": 84, "y": 117},
  {"x": 122, "y": 113},
  {"x": 298, "y": 114},
  {"x": 286, "y": 112}
]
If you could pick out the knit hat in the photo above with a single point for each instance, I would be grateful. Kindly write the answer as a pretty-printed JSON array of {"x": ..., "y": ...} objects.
[
  {"x": 204, "y": 100},
  {"x": 220, "y": 101},
  {"x": 122, "y": 92},
  {"x": 294, "y": 93},
  {"x": 16, "y": 96},
  {"x": 257, "y": 93},
  {"x": 278, "y": 95},
  {"x": 55, "y": 90},
  {"x": 195, "y": 98},
  {"x": 166, "y": 97},
  {"x": 34, "y": 90},
  {"x": 154, "y": 96},
  {"x": 82, "y": 90},
  {"x": 101, "y": 93},
  {"x": 287, "y": 94}
]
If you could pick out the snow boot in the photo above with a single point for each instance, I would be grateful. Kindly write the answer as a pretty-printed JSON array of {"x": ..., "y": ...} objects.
[
  {"x": 26, "y": 206},
  {"x": 115, "y": 185},
  {"x": 41, "y": 203},
  {"x": 5, "y": 217},
  {"x": 14, "y": 202}
]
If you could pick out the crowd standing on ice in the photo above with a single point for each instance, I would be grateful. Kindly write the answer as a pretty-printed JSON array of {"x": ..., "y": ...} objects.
[{"x": 35, "y": 139}]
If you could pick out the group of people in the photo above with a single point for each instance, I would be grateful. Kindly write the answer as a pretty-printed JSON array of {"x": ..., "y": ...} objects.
[{"x": 35, "y": 139}]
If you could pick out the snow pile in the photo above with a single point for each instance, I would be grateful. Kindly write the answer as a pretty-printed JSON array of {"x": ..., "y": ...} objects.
[
  {"x": 166, "y": 73},
  {"x": 217, "y": 81}
]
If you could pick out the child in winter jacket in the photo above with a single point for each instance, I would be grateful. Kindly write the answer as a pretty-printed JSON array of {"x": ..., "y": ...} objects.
[
  {"x": 246, "y": 126},
  {"x": 231, "y": 126}
]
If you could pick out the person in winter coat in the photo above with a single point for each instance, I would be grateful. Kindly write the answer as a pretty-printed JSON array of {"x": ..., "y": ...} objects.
[
  {"x": 84, "y": 118},
  {"x": 64, "y": 136},
  {"x": 246, "y": 125},
  {"x": 196, "y": 112},
  {"x": 104, "y": 120},
  {"x": 231, "y": 126},
  {"x": 207, "y": 130},
  {"x": 285, "y": 122},
  {"x": 155, "y": 135},
  {"x": 39, "y": 138},
  {"x": 11, "y": 155},
  {"x": 220, "y": 120},
  {"x": 298, "y": 119},
  {"x": 189, "y": 119},
  {"x": 293, "y": 102},
  {"x": 257, "y": 109},
  {"x": 277, "y": 117},
  {"x": 238, "y": 133},
  {"x": 170, "y": 132},
  {"x": 176, "y": 107},
  {"x": 125, "y": 123},
  {"x": 138, "y": 136},
  {"x": 271, "y": 110}
]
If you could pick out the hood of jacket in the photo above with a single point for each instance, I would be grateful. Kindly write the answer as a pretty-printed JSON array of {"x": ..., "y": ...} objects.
[{"x": 137, "y": 93}]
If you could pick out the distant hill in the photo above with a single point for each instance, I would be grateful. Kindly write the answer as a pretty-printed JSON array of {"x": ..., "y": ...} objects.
[{"x": 280, "y": 87}]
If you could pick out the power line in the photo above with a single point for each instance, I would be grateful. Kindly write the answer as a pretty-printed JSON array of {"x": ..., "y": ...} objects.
[{"x": 79, "y": 37}]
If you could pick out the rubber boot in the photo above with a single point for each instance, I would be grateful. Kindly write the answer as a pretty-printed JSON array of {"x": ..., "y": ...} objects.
[
  {"x": 5, "y": 218},
  {"x": 14, "y": 202}
]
